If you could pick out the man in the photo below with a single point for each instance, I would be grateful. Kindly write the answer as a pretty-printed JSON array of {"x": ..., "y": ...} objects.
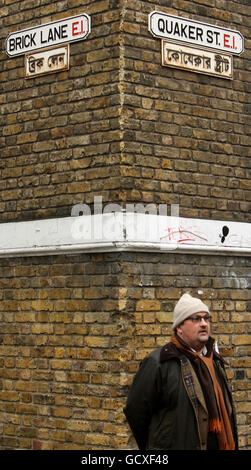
[{"x": 180, "y": 398}]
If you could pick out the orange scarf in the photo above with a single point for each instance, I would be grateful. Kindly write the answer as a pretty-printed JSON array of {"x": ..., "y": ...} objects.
[
  {"x": 221, "y": 426},
  {"x": 219, "y": 420}
]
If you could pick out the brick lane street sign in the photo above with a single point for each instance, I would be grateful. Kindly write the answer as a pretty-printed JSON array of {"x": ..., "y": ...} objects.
[
  {"x": 46, "y": 61},
  {"x": 204, "y": 35},
  {"x": 47, "y": 35}
]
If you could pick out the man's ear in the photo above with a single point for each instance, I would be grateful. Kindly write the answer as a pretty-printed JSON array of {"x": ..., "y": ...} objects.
[{"x": 179, "y": 330}]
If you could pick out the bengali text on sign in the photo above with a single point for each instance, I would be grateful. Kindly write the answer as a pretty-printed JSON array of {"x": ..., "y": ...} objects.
[
  {"x": 197, "y": 60},
  {"x": 47, "y": 61}
]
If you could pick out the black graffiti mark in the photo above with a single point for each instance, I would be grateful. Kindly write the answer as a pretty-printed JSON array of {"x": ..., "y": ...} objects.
[{"x": 225, "y": 232}]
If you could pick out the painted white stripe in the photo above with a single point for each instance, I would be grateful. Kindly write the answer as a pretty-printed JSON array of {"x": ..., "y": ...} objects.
[{"x": 124, "y": 232}]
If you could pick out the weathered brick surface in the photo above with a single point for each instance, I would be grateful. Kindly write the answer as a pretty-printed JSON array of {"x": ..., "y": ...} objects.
[
  {"x": 74, "y": 329},
  {"x": 60, "y": 134},
  {"x": 118, "y": 123},
  {"x": 191, "y": 130}
]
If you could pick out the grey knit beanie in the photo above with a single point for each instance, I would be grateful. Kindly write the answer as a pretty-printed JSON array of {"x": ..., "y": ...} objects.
[{"x": 187, "y": 306}]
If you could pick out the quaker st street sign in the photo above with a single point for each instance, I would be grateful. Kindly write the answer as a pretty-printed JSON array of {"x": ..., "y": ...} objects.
[
  {"x": 47, "y": 35},
  {"x": 178, "y": 29}
]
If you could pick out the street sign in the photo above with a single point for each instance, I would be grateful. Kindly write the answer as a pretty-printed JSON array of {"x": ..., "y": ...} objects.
[
  {"x": 197, "y": 60},
  {"x": 178, "y": 29},
  {"x": 47, "y": 35},
  {"x": 46, "y": 61}
]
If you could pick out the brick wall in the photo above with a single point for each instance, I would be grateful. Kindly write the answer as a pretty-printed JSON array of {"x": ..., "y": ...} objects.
[
  {"x": 60, "y": 133},
  {"x": 190, "y": 130},
  {"x": 117, "y": 124},
  {"x": 74, "y": 328}
]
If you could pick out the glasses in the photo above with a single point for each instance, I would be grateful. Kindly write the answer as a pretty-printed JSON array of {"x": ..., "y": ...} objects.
[{"x": 198, "y": 318}]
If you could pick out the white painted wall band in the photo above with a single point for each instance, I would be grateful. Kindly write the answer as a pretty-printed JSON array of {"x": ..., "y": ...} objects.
[{"x": 124, "y": 232}]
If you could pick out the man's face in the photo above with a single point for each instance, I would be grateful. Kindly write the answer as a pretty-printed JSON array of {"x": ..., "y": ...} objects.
[{"x": 195, "y": 330}]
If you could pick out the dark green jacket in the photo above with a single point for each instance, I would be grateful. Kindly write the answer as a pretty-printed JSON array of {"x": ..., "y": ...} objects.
[{"x": 165, "y": 408}]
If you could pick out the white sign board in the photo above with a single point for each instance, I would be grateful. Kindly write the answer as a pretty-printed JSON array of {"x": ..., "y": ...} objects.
[
  {"x": 197, "y": 60},
  {"x": 47, "y": 35},
  {"x": 47, "y": 61},
  {"x": 194, "y": 32}
]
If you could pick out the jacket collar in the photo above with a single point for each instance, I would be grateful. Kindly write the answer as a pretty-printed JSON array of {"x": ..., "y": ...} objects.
[{"x": 170, "y": 351}]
